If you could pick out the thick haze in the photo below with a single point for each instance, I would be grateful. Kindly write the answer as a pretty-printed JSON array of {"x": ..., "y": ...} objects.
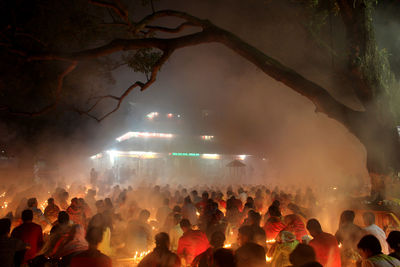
[{"x": 254, "y": 112}]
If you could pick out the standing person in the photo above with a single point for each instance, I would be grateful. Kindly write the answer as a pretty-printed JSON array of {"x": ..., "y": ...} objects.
[
  {"x": 394, "y": 243},
  {"x": 51, "y": 211},
  {"x": 189, "y": 211},
  {"x": 371, "y": 253},
  {"x": 205, "y": 259},
  {"x": 176, "y": 232},
  {"x": 249, "y": 254},
  {"x": 92, "y": 257},
  {"x": 138, "y": 233},
  {"x": 373, "y": 229},
  {"x": 348, "y": 235},
  {"x": 8, "y": 245},
  {"x": 295, "y": 225},
  {"x": 75, "y": 212},
  {"x": 161, "y": 255},
  {"x": 324, "y": 244},
  {"x": 30, "y": 233},
  {"x": 191, "y": 243},
  {"x": 38, "y": 216}
]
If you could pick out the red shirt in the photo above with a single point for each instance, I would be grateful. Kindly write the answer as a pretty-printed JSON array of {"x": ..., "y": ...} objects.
[
  {"x": 31, "y": 234},
  {"x": 273, "y": 227},
  {"x": 326, "y": 250},
  {"x": 91, "y": 258},
  {"x": 191, "y": 244}
]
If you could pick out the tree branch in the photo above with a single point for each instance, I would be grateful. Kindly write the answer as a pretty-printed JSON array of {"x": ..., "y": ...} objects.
[
  {"x": 116, "y": 6},
  {"x": 57, "y": 92},
  {"x": 143, "y": 86}
]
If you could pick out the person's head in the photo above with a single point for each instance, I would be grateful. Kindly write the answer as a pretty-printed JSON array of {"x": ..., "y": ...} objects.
[
  {"x": 166, "y": 202},
  {"x": 369, "y": 246},
  {"x": 393, "y": 240},
  {"x": 144, "y": 215},
  {"x": 177, "y": 209},
  {"x": 224, "y": 258},
  {"x": 347, "y": 216},
  {"x": 94, "y": 236},
  {"x": 187, "y": 200},
  {"x": 369, "y": 218},
  {"x": 204, "y": 196},
  {"x": 32, "y": 202},
  {"x": 274, "y": 211},
  {"x": 5, "y": 226},
  {"x": 185, "y": 225},
  {"x": 97, "y": 221},
  {"x": 63, "y": 217},
  {"x": 302, "y": 255},
  {"x": 100, "y": 205},
  {"x": 50, "y": 201},
  {"x": 74, "y": 202},
  {"x": 314, "y": 227},
  {"x": 217, "y": 239},
  {"x": 162, "y": 240},
  {"x": 177, "y": 218},
  {"x": 254, "y": 217},
  {"x": 246, "y": 234},
  {"x": 27, "y": 216},
  {"x": 194, "y": 193}
]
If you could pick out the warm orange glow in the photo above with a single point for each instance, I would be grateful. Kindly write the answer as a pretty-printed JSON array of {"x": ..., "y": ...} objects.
[
  {"x": 270, "y": 241},
  {"x": 227, "y": 245},
  {"x": 268, "y": 259}
]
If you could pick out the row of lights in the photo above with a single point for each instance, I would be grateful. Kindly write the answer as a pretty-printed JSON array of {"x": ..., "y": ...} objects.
[{"x": 130, "y": 135}]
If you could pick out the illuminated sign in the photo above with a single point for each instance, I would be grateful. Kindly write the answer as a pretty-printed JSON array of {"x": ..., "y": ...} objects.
[
  {"x": 130, "y": 135},
  {"x": 185, "y": 154}
]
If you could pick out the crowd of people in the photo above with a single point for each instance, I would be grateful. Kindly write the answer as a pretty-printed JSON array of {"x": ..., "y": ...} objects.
[{"x": 163, "y": 226}]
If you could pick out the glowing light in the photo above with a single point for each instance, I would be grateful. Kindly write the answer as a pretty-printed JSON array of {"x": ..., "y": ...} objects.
[
  {"x": 130, "y": 135},
  {"x": 97, "y": 156},
  {"x": 198, "y": 214},
  {"x": 152, "y": 115},
  {"x": 44, "y": 205},
  {"x": 334, "y": 188},
  {"x": 186, "y": 154},
  {"x": 3, "y": 194},
  {"x": 207, "y": 137},
  {"x": 132, "y": 154},
  {"x": 242, "y": 157},
  {"x": 5, "y": 205},
  {"x": 270, "y": 241},
  {"x": 111, "y": 153},
  {"x": 210, "y": 156},
  {"x": 268, "y": 259},
  {"x": 227, "y": 245},
  {"x": 340, "y": 245},
  {"x": 170, "y": 115}
]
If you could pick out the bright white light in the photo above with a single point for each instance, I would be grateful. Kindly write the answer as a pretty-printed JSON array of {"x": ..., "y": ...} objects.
[
  {"x": 210, "y": 156},
  {"x": 130, "y": 135},
  {"x": 242, "y": 157},
  {"x": 97, "y": 156},
  {"x": 207, "y": 137},
  {"x": 112, "y": 154},
  {"x": 151, "y": 115},
  {"x": 133, "y": 154}
]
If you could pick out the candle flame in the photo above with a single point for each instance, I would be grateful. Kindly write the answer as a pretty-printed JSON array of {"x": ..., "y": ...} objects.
[
  {"x": 268, "y": 259},
  {"x": 227, "y": 245}
]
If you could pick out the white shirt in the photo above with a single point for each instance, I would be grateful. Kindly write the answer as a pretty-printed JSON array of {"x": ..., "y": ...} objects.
[{"x": 374, "y": 229}]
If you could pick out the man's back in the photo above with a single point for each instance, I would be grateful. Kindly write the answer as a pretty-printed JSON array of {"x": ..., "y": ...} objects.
[
  {"x": 90, "y": 258},
  {"x": 191, "y": 244},
  {"x": 31, "y": 234},
  {"x": 373, "y": 229},
  {"x": 326, "y": 249},
  {"x": 250, "y": 255},
  {"x": 160, "y": 258},
  {"x": 8, "y": 247}
]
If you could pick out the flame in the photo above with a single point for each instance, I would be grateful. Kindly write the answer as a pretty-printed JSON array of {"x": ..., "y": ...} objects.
[
  {"x": 198, "y": 214},
  {"x": 43, "y": 205},
  {"x": 227, "y": 245},
  {"x": 5, "y": 205},
  {"x": 3, "y": 194},
  {"x": 270, "y": 241},
  {"x": 268, "y": 259},
  {"x": 340, "y": 245},
  {"x": 138, "y": 257}
]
